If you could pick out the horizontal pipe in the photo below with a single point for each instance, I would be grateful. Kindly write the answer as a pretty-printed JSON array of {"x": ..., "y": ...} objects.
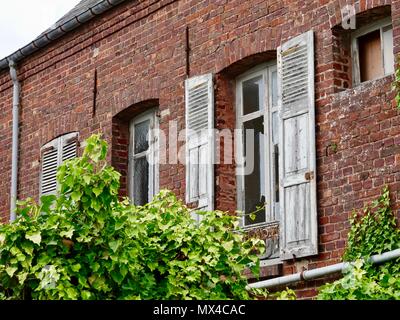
[
  {"x": 53, "y": 34},
  {"x": 321, "y": 272}
]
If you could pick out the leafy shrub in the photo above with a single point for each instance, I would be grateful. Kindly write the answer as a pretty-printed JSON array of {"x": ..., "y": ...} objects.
[
  {"x": 287, "y": 294},
  {"x": 374, "y": 232},
  {"x": 86, "y": 243}
]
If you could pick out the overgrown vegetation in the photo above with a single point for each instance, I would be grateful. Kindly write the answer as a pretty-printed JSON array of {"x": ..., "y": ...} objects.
[
  {"x": 87, "y": 244},
  {"x": 373, "y": 232}
]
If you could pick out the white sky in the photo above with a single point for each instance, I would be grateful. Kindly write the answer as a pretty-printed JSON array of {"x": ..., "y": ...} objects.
[{"x": 21, "y": 21}]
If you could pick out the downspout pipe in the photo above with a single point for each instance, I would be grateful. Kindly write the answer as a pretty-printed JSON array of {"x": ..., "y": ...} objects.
[
  {"x": 321, "y": 272},
  {"x": 15, "y": 142}
]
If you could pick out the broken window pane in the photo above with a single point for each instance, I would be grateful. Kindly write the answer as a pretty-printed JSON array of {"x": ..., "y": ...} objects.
[
  {"x": 141, "y": 181},
  {"x": 254, "y": 187},
  {"x": 252, "y": 92}
]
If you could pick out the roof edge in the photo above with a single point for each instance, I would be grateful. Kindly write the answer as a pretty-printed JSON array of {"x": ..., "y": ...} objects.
[{"x": 56, "y": 33}]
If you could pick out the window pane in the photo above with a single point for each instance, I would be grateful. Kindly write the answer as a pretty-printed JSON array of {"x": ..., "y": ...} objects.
[
  {"x": 254, "y": 181},
  {"x": 141, "y": 132},
  {"x": 371, "y": 66},
  {"x": 141, "y": 181},
  {"x": 274, "y": 88},
  {"x": 252, "y": 100},
  {"x": 388, "y": 49},
  {"x": 275, "y": 127}
]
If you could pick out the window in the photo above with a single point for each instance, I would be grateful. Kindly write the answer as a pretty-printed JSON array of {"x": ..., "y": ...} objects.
[
  {"x": 258, "y": 151},
  {"x": 276, "y": 151},
  {"x": 257, "y": 117},
  {"x": 143, "y": 158},
  {"x": 54, "y": 154},
  {"x": 372, "y": 50}
]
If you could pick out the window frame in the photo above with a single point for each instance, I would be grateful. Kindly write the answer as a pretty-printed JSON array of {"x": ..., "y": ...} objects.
[
  {"x": 151, "y": 153},
  {"x": 355, "y": 55},
  {"x": 265, "y": 70}
]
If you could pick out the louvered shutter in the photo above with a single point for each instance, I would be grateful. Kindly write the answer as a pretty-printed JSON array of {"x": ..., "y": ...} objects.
[
  {"x": 297, "y": 161},
  {"x": 48, "y": 179},
  {"x": 69, "y": 147},
  {"x": 200, "y": 141},
  {"x": 53, "y": 154}
]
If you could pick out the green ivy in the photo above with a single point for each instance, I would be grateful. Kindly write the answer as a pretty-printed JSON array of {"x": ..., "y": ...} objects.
[
  {"x": 372, "y": 232},
  {"x": 88, "y": 244}
]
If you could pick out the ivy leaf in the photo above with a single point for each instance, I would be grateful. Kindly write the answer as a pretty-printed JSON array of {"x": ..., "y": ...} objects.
[
  {"x": 34, "y": 237},
  {"x": 22, "y": 277},
  {"x": 228, "y": 246},
  {"x": 114, "y": 245},
  {"x": 95, "y": 205},
  {"x": 117, "y": 276},
  {"x": 76, "y": 267},
  {"x": 47, "y": 202},
  {"x": 87, "y": 179},
  {"x": 11, "y": 270},
  {"x": 97, "y": 191},
  {"x": 2, "y": 238},
  {"x": 68, "y": 233},
  {"x": 76, "y": 196},
  {"x": 86, "y": 295}
]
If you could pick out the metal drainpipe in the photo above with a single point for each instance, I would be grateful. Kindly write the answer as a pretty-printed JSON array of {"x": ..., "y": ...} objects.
[
  {"x": 15, "y": 133},
  {"x": 320, "y": 272}
]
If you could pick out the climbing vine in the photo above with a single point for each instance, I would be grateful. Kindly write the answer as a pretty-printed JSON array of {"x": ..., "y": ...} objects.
[
  {"x": 372, "y": 232},
  {"x": 88, "y": 244}
]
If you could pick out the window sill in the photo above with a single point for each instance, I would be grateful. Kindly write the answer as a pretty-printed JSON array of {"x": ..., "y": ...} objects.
[
  {"x": 362, "y": 87},
  {"x": 371, "y": 82},
  {"x": 260, "y": 225},
  {"x": 270, "y": 262}
]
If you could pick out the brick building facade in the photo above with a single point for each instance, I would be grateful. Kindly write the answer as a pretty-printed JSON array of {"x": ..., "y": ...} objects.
[{"x": 137, "y": 56}]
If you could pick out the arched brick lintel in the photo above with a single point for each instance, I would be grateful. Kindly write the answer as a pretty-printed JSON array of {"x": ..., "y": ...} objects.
[{"x": 258, "y": 44}]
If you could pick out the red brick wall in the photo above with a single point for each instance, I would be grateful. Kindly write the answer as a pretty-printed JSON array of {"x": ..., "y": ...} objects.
[{"x": 139, "y": 51}]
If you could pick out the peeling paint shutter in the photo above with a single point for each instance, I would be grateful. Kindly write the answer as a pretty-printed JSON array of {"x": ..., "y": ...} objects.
[
  {"x": 200, "y": 141},
  {"x": 297, "y": 159}
]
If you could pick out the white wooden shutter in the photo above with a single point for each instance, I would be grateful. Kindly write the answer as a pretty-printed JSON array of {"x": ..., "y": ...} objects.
[
  {"x": 53, "y": 154},
  {"x": 48, "y": 181},
  {"x": 297, "y": 161},
  {"x": 200, "y": 144}
]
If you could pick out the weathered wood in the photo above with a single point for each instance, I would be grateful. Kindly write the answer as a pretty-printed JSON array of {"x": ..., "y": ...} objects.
[
  {"x": 297, "y": 194},
  {"x": 199, "y": 95}
]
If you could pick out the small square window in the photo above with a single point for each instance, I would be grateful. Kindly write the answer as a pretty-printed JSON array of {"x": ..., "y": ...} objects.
[{"x": 372, "y": 48}]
